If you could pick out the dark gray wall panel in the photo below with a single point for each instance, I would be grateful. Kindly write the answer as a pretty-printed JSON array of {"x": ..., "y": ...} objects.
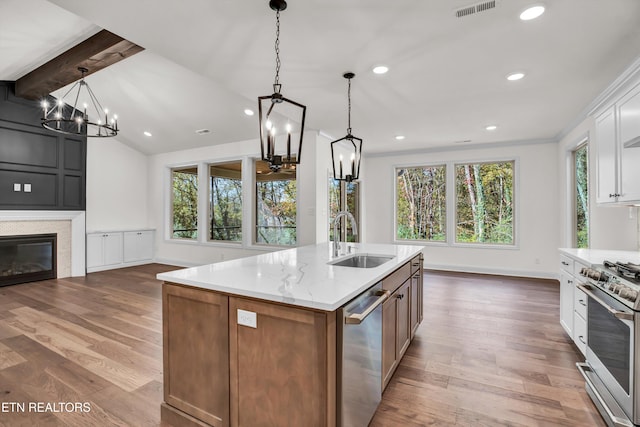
[
  {"x": 27, "y": 148},
  {"x": 54, "y": 164},
  {"x": 43, "y": 189},
  {"x": 73, "y": 154},
  {"x": 72, "y": 191}
]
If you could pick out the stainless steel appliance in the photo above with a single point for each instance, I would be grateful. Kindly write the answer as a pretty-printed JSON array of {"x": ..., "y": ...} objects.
[
  {"x": 613, "y": 359},
  {"x": 359, "y": 390}
]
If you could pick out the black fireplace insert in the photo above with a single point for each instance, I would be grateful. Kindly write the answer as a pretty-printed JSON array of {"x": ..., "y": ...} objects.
[{"x": 27, "y": 258}]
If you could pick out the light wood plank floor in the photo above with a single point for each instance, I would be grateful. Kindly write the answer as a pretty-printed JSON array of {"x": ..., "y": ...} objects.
[{"x": 490, "y": 352}]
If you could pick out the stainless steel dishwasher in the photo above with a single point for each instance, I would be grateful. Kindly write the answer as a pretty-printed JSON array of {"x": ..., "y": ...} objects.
[{"x": 359, "y": 364}]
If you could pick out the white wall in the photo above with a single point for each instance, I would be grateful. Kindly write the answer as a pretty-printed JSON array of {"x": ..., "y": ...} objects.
[
  {"x": 610, "y": 227},
  {"x": 537, "y": 226},
  {"x": 311, "y": 200},
  {"x": 116, "y": 186}
]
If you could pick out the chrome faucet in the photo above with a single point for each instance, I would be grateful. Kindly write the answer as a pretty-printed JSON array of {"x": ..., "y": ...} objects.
[{"x": 336, "y": 239}]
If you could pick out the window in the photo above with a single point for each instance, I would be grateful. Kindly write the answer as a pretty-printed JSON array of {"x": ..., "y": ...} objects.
[
  {"x": 484, "y": 203},
  {"x": 225, "y": 201},
  {"x": 421, "y": 203},
  {"x": 275, "y": 205},
  {"x": 184, "y": 203},
  {"x": 581, "y": 207},
  {"x": 344, "y": 196}
]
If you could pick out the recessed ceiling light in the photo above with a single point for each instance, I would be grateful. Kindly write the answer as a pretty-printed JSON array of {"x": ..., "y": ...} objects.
[
  {"x": 248, "y": 112},
  {"x": 202, "y": 131},
  {"x": 532, "y": 12},
  {"x": 515, "y": 76},
  {"x": 491, "y": 127},
  {"x": 399, "y": 137},
  {"x": 147, "y": 133},
  {"x": 380, "y": 69}
]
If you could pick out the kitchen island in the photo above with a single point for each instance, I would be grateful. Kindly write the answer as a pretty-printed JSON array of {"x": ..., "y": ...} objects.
[{"x": 256, "y": 341}]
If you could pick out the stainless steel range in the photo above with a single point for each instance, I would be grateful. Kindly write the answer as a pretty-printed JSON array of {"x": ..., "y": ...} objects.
[{"x": 612, "y": 366}]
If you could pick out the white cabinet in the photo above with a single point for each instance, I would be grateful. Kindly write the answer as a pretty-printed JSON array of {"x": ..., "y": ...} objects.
[
  {"x": 138, "y": 245},
  {"x": 580, "y": 320},
  {"x": 566, "y": 301},
  {"x": 628, "y": 110},
  {"x": 573, "y": 302},
  {"x": 617, "y": 144},
  {"x": 606, "y": 157},
  {"x": 104, "y": 249},
  {"x": 117, "y": 249}
]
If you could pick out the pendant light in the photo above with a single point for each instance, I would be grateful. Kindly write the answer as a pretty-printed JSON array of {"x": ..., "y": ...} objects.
[
  {"x": 346, "y": 152},
  {"x": 280, "y": 119},
  {"x": 68, "y": 118}
]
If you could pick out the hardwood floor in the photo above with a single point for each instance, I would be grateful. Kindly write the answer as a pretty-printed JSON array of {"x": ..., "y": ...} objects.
[{"x": 490, "y": 352}]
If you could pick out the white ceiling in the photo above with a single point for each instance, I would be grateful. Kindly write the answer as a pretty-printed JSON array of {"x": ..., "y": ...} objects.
[{"x": 206, "y": 61}]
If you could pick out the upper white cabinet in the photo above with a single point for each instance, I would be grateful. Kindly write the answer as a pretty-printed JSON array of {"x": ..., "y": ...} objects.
[
  {"x": 618, "y": 150},
  {"x": 629, "y": 126},
  {"x": 606, "y": 159},
  {"x": 117, "y": 249}
]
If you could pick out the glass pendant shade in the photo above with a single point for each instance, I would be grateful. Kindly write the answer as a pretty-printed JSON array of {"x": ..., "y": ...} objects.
[
  {"x": 281, "y": 130},
  {"x": 78, "y": 112},
  {"x": 346, "y": 152}
]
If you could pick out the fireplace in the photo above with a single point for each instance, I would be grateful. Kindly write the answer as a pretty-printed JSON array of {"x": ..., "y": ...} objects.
[{"x": 27, "y": 258}]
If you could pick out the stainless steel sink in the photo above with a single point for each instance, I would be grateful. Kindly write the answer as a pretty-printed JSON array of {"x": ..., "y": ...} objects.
[{"x": 362, "y": 261}]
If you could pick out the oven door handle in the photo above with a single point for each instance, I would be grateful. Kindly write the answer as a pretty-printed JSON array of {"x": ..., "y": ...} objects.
[{"x": 622, "y": 315}]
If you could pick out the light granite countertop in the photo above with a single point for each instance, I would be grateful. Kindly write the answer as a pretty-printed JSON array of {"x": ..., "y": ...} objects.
[
  {"x": 298, "y": 276},
  {"x": 594, "y": 257}
]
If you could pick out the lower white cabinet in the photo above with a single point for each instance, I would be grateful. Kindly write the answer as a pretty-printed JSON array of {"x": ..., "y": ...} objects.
[
  {"x": 580, "y": 320},
  {"x": 104, "y": 249},
  {"x": 566, "y": 301},
  {"x": 117, "y": 249},
  {"x": 138, "y": 245}
]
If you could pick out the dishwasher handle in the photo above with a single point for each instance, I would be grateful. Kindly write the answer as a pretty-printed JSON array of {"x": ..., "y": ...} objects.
[{"x": 357, "y": 318}]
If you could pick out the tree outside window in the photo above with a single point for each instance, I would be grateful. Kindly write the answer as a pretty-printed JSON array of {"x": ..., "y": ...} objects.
[
  {"x": 484, "y": 203},
  {"x": 581, "y": 169},
  {"x": 421, "y": 203},
  {"x": 276, "y": 206},
  {"x": 225, "y": 201},
  {"x": 184, "y": 203}
]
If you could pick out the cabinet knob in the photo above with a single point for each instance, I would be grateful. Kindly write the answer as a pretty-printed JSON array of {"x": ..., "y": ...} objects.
[{"x": 569, "y": 281}]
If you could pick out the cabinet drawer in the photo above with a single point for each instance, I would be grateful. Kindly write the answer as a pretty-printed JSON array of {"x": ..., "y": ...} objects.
[
  {"x": 580, "y": 333},
  {"x": 415, "y": 264},
  {"x": 397, "y": 278},
  {"x": 566, "y": 263},
  {"x": 580, "y": 303}
]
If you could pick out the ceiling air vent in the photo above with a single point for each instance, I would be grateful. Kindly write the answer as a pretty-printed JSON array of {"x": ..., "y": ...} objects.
[{"x": 475, "y": 8}]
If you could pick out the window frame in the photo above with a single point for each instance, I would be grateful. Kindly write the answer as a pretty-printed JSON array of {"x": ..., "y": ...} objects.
[
  {"x": 450, "y": 239},
  {"x": 209, "y": 203},
  {"x": 343, "y": 227},
  {"x": 254, "y": 208},
  {"x": 170, "y": 206},
  {"x": 446, "y": 240}
]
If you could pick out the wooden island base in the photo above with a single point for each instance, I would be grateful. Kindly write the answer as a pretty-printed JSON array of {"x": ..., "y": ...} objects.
[{"x": 282, "y": 372}]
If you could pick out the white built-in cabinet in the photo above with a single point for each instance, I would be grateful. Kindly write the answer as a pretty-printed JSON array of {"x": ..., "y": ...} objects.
[
  {"x": 117, "y": 249},
  {"x": 617, "y": 146},
  {"x": 573, "y": 302}
]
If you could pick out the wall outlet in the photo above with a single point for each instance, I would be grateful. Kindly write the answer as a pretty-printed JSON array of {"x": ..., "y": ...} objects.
[
  {"x": 537, "y": 261},
  {"x": 247, "y": 318}
]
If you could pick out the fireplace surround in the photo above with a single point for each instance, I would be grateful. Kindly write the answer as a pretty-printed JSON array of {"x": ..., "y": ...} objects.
[{"x": 27, "y": 258}]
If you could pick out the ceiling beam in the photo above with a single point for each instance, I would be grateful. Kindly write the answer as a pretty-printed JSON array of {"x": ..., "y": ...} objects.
[{"x": 95, "y": 53}]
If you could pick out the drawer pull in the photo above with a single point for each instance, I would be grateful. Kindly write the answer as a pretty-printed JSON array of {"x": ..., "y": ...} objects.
[
  {"x": 581, "y": 338},
  {"x": 581, "y": 301},
  {"x": 565, "y": 263}
]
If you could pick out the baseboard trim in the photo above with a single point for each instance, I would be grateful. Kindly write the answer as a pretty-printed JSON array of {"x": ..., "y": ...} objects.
[
  {"x": 494, "y": 271},
  {"x": 117, "y": 266},
  {"x": 176, "y": 263}
]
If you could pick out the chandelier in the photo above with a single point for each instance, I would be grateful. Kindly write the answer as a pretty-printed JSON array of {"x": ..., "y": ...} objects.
[
  {"x": 347, "y": 148},
  {"x": 68, "y": 118},
  {"x": 280, "y": 119}
]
